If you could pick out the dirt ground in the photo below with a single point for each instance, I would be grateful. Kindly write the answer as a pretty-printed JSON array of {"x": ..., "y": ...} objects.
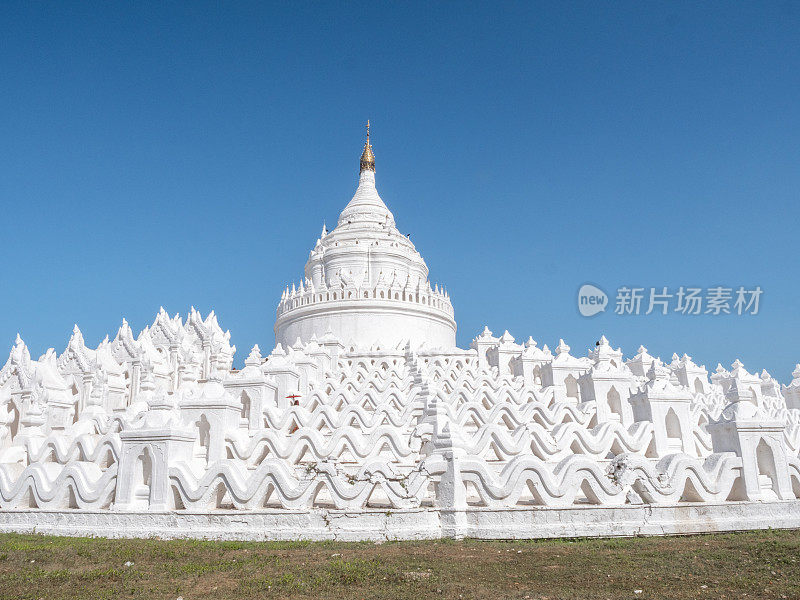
[{"x": 741, "y": 565}]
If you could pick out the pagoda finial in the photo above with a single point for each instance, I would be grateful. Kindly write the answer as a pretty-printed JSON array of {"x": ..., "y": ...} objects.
[{"x": 367, "y": 157}]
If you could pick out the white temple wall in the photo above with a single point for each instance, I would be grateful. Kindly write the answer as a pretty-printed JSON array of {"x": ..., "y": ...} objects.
[
  {"x": 452, "y": 446},
  {"x": 672, "y": 428},
  {"x": 370, "y": 322},
  {"x": 376, "y": 426},
  {"x": 759, "y": 442}
]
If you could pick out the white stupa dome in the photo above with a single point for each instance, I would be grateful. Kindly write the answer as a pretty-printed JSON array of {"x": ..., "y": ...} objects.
[{"x": 365, "y": 282}]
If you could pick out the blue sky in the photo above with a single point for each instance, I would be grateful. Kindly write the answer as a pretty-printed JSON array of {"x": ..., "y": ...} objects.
[{"x": 183, "y": 154}]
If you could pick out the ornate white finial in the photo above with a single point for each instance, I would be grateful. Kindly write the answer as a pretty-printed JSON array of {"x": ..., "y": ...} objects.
[
  {"x": 254, "y": 358},
  {"x": 506, "y": 338},
  {"x": 658, "y": 371}
]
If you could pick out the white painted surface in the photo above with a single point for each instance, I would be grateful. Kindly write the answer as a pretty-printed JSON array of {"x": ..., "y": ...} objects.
[
  {"x": 366, "y": 284},
  {"x": 379, "y": 525},
  {"x": 374, "y": 425}
]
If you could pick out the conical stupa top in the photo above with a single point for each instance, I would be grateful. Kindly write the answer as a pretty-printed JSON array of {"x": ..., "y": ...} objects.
[
  {"x": 367, "y": 157},
  {"x": 366, "y": 205}
]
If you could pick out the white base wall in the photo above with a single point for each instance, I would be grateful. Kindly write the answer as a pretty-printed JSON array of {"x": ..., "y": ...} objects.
[
  {"x": 423, "y": 523},
  {"x": 367, "y": 322}
]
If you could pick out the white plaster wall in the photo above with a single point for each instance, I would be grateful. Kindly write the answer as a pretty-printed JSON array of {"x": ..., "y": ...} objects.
[
  {"x": 387, "y": 323},
  {"x": 409, "y": 524}
]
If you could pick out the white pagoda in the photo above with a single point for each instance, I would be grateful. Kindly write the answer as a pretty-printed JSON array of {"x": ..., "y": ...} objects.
[
  {"x": 366, "y": 421},
  {"x": 365, "y": 283}
]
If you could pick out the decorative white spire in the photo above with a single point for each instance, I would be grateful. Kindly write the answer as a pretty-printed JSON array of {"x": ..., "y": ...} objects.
[
  {"x": 506, "y": 338},
  {"x": 254, "y": 359}
]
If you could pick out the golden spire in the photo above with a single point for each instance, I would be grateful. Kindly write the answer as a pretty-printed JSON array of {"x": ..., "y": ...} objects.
[{"x": 367, "y": 157}]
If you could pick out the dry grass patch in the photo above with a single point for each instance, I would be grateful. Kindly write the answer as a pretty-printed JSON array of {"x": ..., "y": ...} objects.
[{"x": 742, "y": 565}]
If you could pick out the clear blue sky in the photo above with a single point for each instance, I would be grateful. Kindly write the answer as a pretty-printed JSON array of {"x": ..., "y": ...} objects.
[{"x": 183, "y": 154}]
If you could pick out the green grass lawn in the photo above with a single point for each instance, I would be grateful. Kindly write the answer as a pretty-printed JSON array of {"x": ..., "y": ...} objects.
[{"x": 740, "y": 565}]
